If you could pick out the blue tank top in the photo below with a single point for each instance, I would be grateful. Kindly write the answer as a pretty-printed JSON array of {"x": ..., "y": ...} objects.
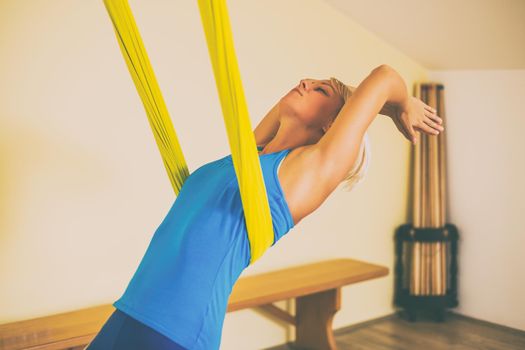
[{"x": 182, "y": 285}]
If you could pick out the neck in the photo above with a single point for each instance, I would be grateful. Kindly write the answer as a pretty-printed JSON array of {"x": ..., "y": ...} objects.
[{"x": 291, "y": 135}]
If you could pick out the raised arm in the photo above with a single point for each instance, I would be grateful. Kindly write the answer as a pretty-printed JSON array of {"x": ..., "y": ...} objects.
[
  {"x": 338, "y": 148},
  {"x": 389, "y": 109},
  {"x": 268, "y": 126}
]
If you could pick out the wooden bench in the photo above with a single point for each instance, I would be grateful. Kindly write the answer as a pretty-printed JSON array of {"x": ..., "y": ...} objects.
[{"x": 316, "y": 288}]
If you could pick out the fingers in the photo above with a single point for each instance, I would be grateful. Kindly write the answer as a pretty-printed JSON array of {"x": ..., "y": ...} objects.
[
  {"x": 429, "y": 123},
  {"x": 410, "y": 133},
  {"x": 433, "y": 110},
  {"x": 426, "y": 128},
  {"x": 433, "y": 116},
  {"x": 433, "y": 125},
  {"x": 432, "y": 113},
  {"x": 430, "y": 109},
  {"x": 433, "y": 121}
]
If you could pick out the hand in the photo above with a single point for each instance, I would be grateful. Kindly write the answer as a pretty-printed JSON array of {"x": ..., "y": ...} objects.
[{"x": 413, "y": 115}]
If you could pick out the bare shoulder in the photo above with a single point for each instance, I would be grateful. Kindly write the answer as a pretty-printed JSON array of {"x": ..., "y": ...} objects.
[{"x": 304, "y": 183}]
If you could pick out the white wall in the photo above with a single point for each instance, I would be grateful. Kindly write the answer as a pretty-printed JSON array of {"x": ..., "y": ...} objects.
[
  {"x": 82, "y": 184},
  {"x": 486, "y": 168}
]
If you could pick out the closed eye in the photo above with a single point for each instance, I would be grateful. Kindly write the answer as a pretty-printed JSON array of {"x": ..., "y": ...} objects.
[{"x": 324, "y": 92}]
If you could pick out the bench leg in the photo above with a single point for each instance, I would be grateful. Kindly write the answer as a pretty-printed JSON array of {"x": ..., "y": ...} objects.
[{"x": 314, "y": 314}]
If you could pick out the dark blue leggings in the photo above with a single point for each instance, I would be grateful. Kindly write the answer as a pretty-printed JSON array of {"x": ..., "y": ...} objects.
[{"x": 124, "y": 332}]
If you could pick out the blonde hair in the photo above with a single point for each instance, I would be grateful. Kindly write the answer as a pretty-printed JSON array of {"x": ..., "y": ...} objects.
[{"x": 360, "y": 167}]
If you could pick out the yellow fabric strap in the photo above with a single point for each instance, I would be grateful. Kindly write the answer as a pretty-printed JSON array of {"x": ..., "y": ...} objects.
[
  {"x": 141, "y": 71},
  {"x": 245, "y": 157},
  {"x": 216, "y": 24}
]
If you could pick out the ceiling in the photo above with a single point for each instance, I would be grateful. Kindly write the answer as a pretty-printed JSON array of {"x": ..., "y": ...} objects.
[{"x": 447, "y": 34}]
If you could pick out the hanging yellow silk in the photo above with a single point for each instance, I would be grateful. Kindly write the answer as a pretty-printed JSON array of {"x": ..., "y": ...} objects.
[
  {"x": 245, "y": 157},
  {"x": 139, "y": 66}
]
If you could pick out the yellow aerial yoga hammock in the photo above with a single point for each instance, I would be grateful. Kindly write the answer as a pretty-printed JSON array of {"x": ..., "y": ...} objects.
[{"x": 214, "y": 15}]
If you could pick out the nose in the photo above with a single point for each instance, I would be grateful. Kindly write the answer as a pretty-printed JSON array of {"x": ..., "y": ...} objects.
[{"x": 305, "y": 84}]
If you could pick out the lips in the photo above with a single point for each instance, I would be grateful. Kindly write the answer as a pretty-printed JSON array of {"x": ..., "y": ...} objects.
[{"x": 296, "y": 89}]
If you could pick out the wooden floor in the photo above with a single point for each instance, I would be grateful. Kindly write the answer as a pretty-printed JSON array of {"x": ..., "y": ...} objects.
[{"x": 395, "y": 332}]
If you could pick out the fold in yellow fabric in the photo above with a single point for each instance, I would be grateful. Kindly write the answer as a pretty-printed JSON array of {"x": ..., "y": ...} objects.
[
  {"x": 245, "y": 157},
  {"x": 139, "y": 66}
]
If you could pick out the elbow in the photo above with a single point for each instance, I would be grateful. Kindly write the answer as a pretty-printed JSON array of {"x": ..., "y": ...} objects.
[
  {"x": 385, "y": 71},
  {"x": 383, "y": 68}
]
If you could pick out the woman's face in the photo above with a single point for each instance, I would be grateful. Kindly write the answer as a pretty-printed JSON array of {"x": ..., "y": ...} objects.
[{"x": 314, "y": 102}]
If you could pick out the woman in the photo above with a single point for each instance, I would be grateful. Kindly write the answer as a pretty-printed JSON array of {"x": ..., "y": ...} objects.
[{"x": 312, "y": 140}]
